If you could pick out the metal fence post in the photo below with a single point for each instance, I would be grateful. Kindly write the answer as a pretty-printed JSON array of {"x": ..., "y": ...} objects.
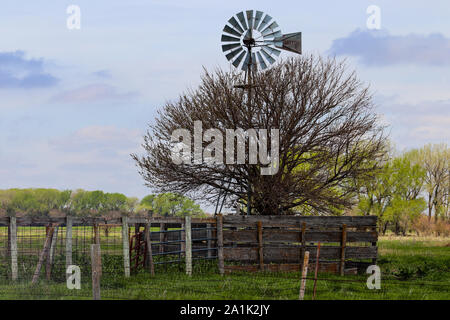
[{"x": 188, "y": 240}]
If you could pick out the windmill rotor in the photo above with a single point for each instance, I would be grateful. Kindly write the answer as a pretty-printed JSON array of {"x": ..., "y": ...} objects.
[{"x": 252, "y": 40}]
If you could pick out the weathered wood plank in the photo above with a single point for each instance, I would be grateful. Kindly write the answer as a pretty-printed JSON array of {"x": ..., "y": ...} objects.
[
  {"x": 290, "y": 254},
  {"x": 283, "y": 235},
  {"x": 312, "y": 222},
  {"x": 331, "y": 267}
]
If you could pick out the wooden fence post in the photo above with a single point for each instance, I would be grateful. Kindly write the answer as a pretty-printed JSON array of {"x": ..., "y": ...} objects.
[
  {"x": 219, "y": 219},
  {"x": 149, "y": 247},
  {"x": 183, "y": 237},
  {"x": 68, "y": 242},
  {"x": 316, "y": 270},
  {"x": 343, "y": 246},
  {"x": 126, "y": 246},
  {"x": 13, "y": 239},
  {"x": 260, "y": 245},
  {"x": 303, "y": 244},
  {"x": 96, "y": 262},
  {"x": 96, "y": 233},
  {"x": 44, "y": 254},
  {"x": 188, "y": 245},
  {"x": 209, "y": 241},
  {"x": 51, "y": 252},
  {"x": 162, "y": 237},
  {"x": 304, "y": 274}
]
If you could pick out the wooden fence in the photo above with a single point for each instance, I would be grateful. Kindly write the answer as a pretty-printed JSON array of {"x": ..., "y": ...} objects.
[
  {"x": 278, "y": 243},
  {"x": 250, "y": 243}
]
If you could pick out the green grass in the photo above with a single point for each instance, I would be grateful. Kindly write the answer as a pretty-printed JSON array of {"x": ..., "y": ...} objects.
[{"x": 412, "y": 268}]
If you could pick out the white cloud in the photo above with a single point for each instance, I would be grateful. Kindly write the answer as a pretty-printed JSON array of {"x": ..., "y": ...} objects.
[{"x": 92, "y": 93}]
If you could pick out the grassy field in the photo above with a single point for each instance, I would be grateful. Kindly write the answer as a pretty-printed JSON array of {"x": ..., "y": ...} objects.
[{"x": 412, "y": 268}]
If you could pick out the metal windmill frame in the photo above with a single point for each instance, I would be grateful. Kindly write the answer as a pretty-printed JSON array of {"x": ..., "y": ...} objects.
[{"x": 255, "y": 39}]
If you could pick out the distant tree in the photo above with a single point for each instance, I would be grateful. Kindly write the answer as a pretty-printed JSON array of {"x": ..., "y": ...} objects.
[
  {"x": 171, "y": 204},
  {"x": 435, "y": 159},
  {"x": 394, "y": 194}
]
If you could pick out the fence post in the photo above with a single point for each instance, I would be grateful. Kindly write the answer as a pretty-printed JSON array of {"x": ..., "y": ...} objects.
[
  {"x": 162, "y": 237},
  {"x": 304, "y": 274},
  {"x": 13, "y": 239},
  {"x": 188, "y": 240},
  {"x": 303, "y": 241},
  {"x": 50, "y": 255},
  {"x": 260, "y": 246},
  {"x": 44, "y": 254},
  {"x": 68, "y": 241},
  {"x": 219, "y": 219},
  {"x": 149, "y": 246},
  {"x": 343, "y": 245},
  {"x": 209, "y": 241},
  {"x": 183, "y": 237},
  {"x": 126, "y": 246},
  {"x": 96, "y": 233},
  {"x": 317, "y": 270},
  {"x": 96, "y": 262}
]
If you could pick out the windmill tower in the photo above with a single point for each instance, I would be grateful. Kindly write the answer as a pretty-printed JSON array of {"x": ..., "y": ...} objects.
[{"x": 252, "y": 41}]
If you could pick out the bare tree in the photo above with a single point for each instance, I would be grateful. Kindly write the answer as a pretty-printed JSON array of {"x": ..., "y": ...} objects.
[{"x": 328, "y": 136}]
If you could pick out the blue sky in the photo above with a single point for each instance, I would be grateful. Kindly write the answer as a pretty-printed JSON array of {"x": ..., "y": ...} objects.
[{"x": 75, "y": 103}]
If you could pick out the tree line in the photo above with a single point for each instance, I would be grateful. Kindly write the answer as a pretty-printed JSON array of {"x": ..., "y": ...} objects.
[
  {"x": 42, "y": 202},
  {"x": 407, "y": 188}
]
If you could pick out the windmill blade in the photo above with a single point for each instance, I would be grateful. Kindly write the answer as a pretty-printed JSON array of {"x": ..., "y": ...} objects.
[
  {"x": 270, "y": 28},
  {"x": 250, "y": 18},
  {"x": 273, "y": 51},
  {"x": 226, "y": 38},
  {"x": 273, "y": 35},
  {"x": 265, "y": 21},
  {"x": 248, "y": 35},
  {"x": 267, "y": 56},
  {"x": 236, "y": 25},
  {"x": 233, "y": 53},
  {"x": 245, "y": 65},
  {"x": 257, "y": 19},
  {"x": 238, "y": 60},
  {"x": 232, "y": 31},
  {"x": 241, "y": 18},
  {"x": 227, "y": 47},
  {"x": 290, "y": 42},
  {"x": 275, "y": 42},
  {"x": 262, "y": 63}
]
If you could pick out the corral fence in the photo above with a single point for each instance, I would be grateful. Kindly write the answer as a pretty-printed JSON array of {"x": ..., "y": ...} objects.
[
  {"x": 278, "y": 243},
  {"x": 34, "y": 248},
  {"x": 30, "y": 245}
]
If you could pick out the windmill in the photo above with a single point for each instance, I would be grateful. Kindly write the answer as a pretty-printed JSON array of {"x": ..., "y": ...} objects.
[{"x": 252, "y": 41}]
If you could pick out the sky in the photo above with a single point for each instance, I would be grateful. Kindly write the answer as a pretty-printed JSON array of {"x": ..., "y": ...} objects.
[{"x": 74, "y": 103}]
